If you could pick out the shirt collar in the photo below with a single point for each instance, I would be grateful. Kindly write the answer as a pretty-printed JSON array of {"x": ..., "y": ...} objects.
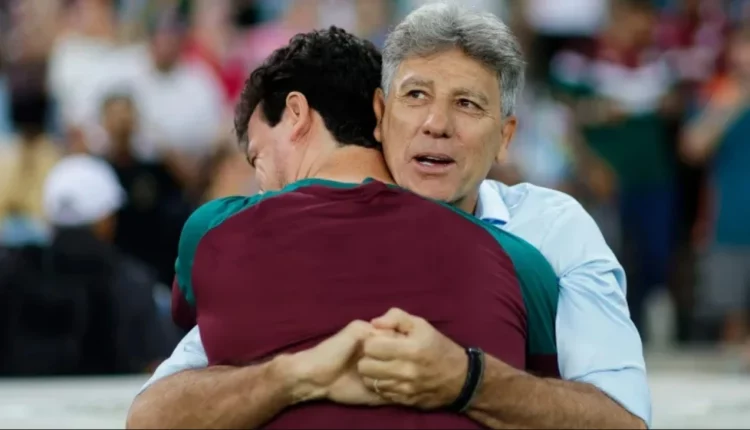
[{"x": 490, "y": 204}]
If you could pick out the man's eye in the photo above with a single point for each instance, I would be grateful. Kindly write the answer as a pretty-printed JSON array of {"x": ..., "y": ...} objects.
[
  {"x": 416, "y": 94},
  {"x": 465, "y": 103}
]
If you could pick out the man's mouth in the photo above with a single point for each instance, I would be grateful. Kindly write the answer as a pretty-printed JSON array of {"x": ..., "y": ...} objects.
[{"x": 430, "y": 160}]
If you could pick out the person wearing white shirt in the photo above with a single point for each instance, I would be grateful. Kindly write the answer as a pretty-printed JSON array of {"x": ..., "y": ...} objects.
[
  {"x": 600, "y": 354},
  {"x": 181, "y": 105}
]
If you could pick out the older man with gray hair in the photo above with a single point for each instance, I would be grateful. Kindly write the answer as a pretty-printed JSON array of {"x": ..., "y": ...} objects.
[{"x": 445, "y": 114}]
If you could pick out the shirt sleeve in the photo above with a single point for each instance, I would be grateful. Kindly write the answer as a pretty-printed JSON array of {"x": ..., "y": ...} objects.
[
  {"x": 196, "y": 227},
  {"x": 183, "y": 313},
  {"x": 597, "y": 341},
  {"x": 189, "y": 354}
]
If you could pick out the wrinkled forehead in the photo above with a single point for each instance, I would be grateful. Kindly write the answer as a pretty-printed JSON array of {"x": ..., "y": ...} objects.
[{"x": 450, "y": 72}]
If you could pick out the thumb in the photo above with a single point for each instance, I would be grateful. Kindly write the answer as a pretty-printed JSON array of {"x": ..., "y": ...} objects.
[
  {"x": 395, "y": 319},
  {"x": 346, "y": 340}
]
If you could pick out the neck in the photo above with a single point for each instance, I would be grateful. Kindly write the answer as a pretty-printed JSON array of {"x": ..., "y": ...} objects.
[
  {"x": 468, "y": 204},
  {"x": 349, "y": 164}
]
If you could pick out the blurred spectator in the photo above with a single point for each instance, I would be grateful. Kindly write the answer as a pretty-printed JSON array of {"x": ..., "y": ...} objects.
[
  {"x": 620, "y": 90},
  {"x": 79, "y": 306},
  {"x": 557, "y": 24},
  {"x": 27, "y": 158},
  {"x": 149, "y": 224},
  {"x": 87, "y": 61},
  {"x": 210, "y": 45},
  {"x": 719, "y": 136},
  {"x": 692, "y": 34},
  {"x": 180, "y": 106}
]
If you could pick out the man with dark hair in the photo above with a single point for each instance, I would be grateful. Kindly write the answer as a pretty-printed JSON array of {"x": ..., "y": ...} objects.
[
  {"x": 342, "y": 97},
  {"x": 358, "y": 246}
]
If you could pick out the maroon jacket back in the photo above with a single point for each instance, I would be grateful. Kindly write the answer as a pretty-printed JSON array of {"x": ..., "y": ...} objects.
[{"x": 285, "y": 273}]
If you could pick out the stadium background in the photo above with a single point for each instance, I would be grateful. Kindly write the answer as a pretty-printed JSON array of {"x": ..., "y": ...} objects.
[{"x": 149, "y": 85}]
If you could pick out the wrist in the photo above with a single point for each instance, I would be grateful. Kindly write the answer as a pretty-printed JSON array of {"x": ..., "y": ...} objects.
[
  {"x": 472, "y": 380},
  {"x": 295, "y": 375},
  {"x": 285, "y": 372}
]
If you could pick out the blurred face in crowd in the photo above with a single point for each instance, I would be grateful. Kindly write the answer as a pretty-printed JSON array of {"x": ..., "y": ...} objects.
[
  {"x": 739, "y": 54},
  {"x": 441, "y": 126},
  {"x": 119, "y": 119},
  {"x": 643, "y": 26},
  {"x": 636, "y": 20},
  {"x": 166, "y": 47}
]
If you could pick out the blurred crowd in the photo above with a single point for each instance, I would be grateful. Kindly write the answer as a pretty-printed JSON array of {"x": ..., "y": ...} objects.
[{"x": 115, "y": 123}]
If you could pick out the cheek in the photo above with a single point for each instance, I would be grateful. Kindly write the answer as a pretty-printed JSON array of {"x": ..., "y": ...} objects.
[
  {"x": 479, "y": 153},
  {"x": 282, "y": 158},
  {"x": 266, "y": 172},
  {"x": 261, "y": 178},
  {"x": 398, "y": 129}
]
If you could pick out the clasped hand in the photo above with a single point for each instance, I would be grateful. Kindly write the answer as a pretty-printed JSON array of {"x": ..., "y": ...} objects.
[{"x": 397, "y": 358}]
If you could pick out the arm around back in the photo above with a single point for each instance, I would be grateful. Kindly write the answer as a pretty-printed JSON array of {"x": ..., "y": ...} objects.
[{"x": 184, "y": 393}]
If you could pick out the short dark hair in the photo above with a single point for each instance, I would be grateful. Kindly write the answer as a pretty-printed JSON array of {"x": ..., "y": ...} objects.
[{"x": 336, "y": 71}]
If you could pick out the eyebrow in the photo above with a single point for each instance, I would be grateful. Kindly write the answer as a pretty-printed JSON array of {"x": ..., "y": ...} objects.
[
  {"x": 458, "y": 92},
  {"x": 417, "y": 82},
  {"x": 465, "y": 92}
]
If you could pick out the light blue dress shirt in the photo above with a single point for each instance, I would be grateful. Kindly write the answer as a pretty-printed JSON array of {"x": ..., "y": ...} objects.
[{"x": 597, "y": 342}]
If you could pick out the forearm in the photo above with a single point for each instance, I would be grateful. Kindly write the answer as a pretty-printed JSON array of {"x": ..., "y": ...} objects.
[
  {"x": 509, "y": 398},
  {"x": 215, "y": 397}
]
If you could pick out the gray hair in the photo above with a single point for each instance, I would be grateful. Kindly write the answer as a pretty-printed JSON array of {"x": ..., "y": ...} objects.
[{"x": 438, "y": 27}]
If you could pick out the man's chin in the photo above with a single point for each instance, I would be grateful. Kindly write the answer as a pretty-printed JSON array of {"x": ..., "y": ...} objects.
[{"x": 438, "y": 193}]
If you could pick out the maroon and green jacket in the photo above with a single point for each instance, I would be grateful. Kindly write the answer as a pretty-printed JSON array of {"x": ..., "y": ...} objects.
[{"x": 282, "y": 271}]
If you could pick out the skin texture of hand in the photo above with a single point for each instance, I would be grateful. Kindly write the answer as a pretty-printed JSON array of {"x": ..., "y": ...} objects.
[
  {"x": 420, "y": 367},
  {"x": 328, "y": 370}
]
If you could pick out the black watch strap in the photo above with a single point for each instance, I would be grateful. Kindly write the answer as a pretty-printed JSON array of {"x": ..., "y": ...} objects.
[{"x": 473, "y": 379}]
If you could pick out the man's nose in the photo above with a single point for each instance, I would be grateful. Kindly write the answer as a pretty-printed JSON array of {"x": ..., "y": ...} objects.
[{"x": 438, "y": 123}]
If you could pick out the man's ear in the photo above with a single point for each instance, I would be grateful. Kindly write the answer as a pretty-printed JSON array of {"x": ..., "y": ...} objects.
[
  {"x": 509, "y": 129},
  {"x": 298, "y": 113},
  {"x": 378, "y": 105}
]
